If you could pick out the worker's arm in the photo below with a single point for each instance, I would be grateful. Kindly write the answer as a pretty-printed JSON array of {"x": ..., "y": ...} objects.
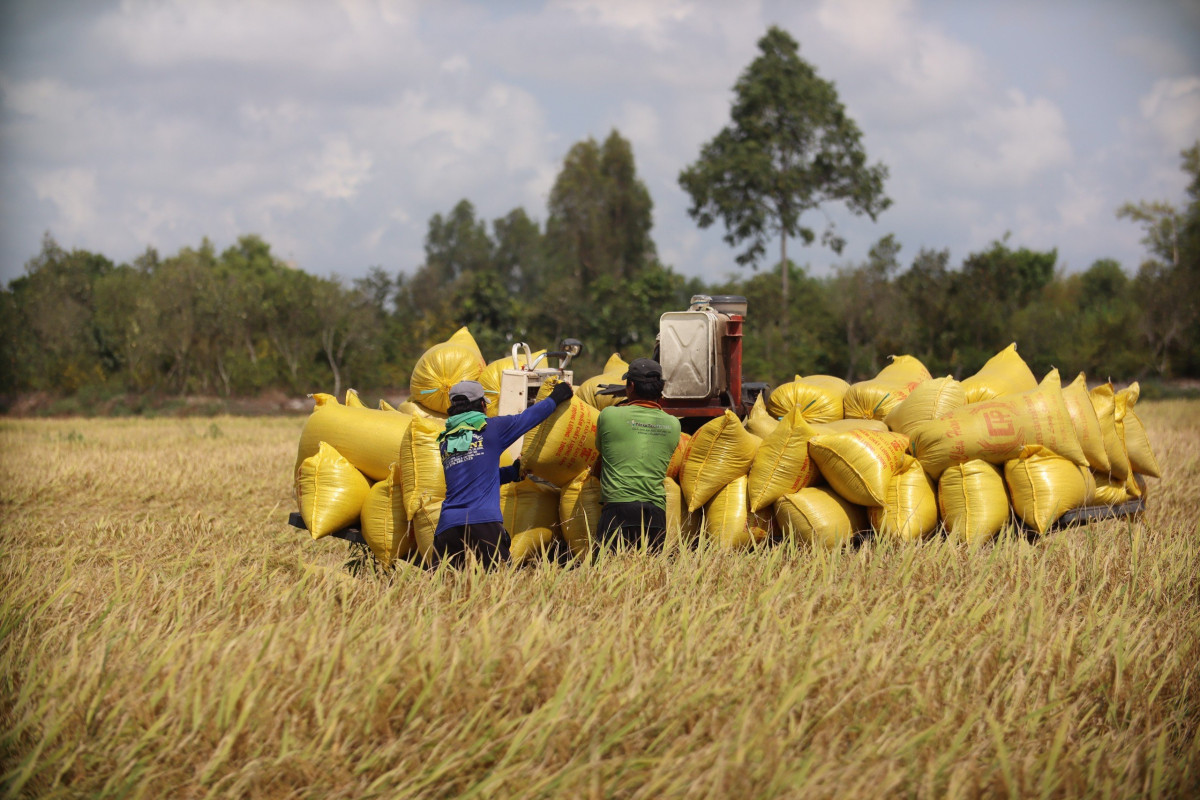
[
  {"x": 511, "y": 473},
  {"x": 513, "y": 427}
]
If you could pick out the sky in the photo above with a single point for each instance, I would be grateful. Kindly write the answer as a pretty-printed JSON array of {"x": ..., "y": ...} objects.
[{"x": 336, "y": 130}]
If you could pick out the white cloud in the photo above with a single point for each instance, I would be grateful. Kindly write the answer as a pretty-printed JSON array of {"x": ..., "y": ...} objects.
[
  {"x": 1172, "y": 108},
  {"x": 649, "y": 21},
  {"x": 456, "y": 64},
  {"x": 1018, "y": 140},
  {"x": 75, "y": 196},
  {"x": 912, "y": 70},
  {"x": 639, "y": 123},
  {"x": 339, "y": 171},
  {"x": 309, "y": 35},
  {"x": 336, "y": 129}
]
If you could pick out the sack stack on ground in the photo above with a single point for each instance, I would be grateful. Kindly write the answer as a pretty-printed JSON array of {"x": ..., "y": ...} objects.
[{"x": 824, "y": 463}]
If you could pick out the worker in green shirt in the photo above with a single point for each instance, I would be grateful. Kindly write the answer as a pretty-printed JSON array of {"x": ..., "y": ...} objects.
[{"x": 635, "y": 439}]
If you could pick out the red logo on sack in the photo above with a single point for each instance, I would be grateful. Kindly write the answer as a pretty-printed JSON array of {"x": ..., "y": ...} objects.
[{"x": 999, "y": 423}]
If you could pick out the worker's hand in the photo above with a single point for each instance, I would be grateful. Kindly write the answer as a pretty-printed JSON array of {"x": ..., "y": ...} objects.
[{"x": 561, "y": 393}]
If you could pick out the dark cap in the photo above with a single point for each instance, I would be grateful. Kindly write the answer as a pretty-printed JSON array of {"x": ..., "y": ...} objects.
[
  {"x": 470, "y": 390},
  {"x": 642, "y": 369}
]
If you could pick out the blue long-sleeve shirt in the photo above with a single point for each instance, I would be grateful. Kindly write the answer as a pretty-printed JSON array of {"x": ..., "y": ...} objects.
[{"x": 473, "y": 477}]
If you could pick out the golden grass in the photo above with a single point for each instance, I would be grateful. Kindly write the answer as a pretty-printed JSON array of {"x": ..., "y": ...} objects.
[{"x": 164, "y": 633}]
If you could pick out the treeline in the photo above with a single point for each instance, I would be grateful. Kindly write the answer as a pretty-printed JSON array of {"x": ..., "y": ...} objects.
[{"x": 240, "y": 321}]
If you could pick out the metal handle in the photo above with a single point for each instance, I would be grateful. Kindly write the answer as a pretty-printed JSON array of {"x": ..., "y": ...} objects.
[{"x": 517, "y": 360}]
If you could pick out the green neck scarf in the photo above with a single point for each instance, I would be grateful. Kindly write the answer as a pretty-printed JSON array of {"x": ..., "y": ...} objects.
[{"x": 459, "y": 428}]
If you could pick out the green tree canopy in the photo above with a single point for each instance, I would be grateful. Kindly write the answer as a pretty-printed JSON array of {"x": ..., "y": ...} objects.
[{"x": 789, "y": 149}]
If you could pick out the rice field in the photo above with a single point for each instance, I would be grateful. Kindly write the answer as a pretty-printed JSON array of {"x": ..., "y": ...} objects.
[{"x": 165, "y": 633}]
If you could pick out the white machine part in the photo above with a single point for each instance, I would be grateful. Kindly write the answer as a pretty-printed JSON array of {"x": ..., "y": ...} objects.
[
  {"x": 690, "y": 353},
  {"x": 519, "y": 386}
]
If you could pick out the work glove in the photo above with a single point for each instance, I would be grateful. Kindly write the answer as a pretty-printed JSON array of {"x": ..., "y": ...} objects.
[{"x": 561, "y": 393}]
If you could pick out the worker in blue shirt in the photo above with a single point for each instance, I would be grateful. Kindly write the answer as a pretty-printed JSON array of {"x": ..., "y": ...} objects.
[{"x": 471, "y": 446}]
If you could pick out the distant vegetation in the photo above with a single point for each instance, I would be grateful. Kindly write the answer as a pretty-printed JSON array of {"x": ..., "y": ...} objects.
[{"x": 240, "y": 321}]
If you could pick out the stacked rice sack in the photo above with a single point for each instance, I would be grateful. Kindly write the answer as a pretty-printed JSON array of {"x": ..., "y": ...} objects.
[
  {"x": 381, "y": 468},
  {"x": 820, "y": 461},
  {"x": 913, "y": 453}
]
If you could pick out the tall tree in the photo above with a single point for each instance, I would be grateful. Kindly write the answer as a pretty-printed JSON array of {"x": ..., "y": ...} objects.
[
  {"x": 602, "y": 259},
  {"x": 790, "y": 148}
]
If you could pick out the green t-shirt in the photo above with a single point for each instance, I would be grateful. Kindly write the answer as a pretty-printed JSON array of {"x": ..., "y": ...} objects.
[{"x": 636, "y": 444}]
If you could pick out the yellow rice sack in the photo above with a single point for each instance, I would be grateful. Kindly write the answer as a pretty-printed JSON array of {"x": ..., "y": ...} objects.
[
  {"x": 997, "y": 430},
  {"x": 847, "y": 425},
  {"x": 588, "y": 390},
  {"x": 353, "y": 400},
  {"x": 384, "y": 405},
  {"x": 875, "y": 398},
  {"x": 1043, "y": 486},
  {"x": 782, "y": 464},
  {"x": 820, "y": 398},
  {"x": 759, "y": 421},
  {"x": 490, "y": 377},
  {"x": 1137, "y": 444},
  {"x": 1089, "y": 485},
  {"x": 1004, "y": 373},
  {"x": 439, "y": 368},
  {"x": 674, "y": 511},
  {"x": 1104, "y": 401},
  {"x": 579, "y": 511},
  {"x": 417, "y": 410},
  {"x": 859, "y": 464},
  {"x": 421, "y": 475},
  {"x": 1143, "y": 487},
  {"x": 614, "y": 368},
  {"x": 564, "y": 444},
  {"x": 330, "y": 491},
  {"x": 385, "y": 522},
  {"x": 932, "y": 399},
  {"x": 463, "y": 338},
  {"x": 683, "y": 526},
  {"x": 616, "y": 364},
  {"x": 721, "y": 451},
  {"x": 973, "y": 501},
  {"x": 530, "y": 511},
  {"x": 367, "y": 437},
  {"x": 1087, "y": 424},
  {"x": 728, "y": 522},
  {"x": 910, "y": 508},
  {"x": 819, "y": 516},
  {"x": 424, "y": 526},
  {"x": 679, "y": 456},
  {"x": 1109, "y": 490}
]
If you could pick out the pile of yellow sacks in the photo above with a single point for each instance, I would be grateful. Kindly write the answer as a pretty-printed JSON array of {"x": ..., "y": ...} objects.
[
  {"x": 379, "y": 468},
  {"x": 913, "y": 453},
  {"x": 821, "y": 461}
]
